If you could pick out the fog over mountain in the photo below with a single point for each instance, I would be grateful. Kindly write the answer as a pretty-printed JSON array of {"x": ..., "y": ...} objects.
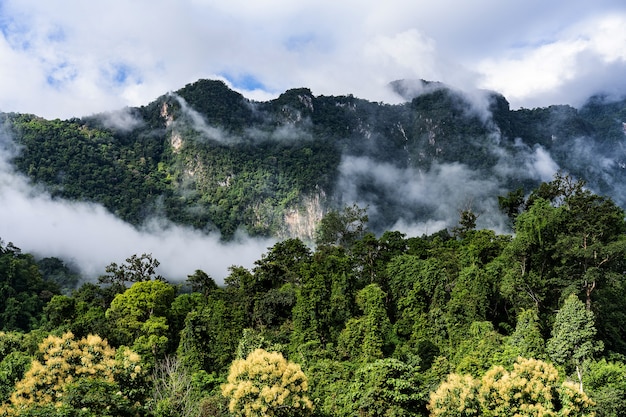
[
  {"x": 204, "y": 178},
  {"x": 88, "y": 237},
  {"x": 63, "y": 58}
]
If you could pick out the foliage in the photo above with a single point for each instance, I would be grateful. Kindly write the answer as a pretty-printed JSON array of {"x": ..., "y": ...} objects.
[
  {"x": 207, "y": 157},
  {"x": 377, "y": 323},
  {"x": 531, "y": 388},
  {"x": 456, "y": 396},
  {"x": 342, "y": 228},
  {"x": 366, "y": 338},
  {"x": 526, "y": 341},
  {"x": 24, "y": 292},
  {"x": 386, "y": 387},
  {"x": 174, "y": 393},
  {"x": 324, "y": 301},
  {"x": 573, "y": 337},
  {"x": 605, "y": 381},
  {"x": 210, "y": 336},
  {"x": 266, "y": 384},
  {"x": 69, "y": 366},
  {"x": 136, "y": 269},
  {"x": 138, "y": 316}
]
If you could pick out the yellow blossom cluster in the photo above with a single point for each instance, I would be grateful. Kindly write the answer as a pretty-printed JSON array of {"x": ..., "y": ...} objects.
[
  {"x": 266, "y": 384},
  {"x": 531, "y": 389},
  {"x": 64, "y": 361}
]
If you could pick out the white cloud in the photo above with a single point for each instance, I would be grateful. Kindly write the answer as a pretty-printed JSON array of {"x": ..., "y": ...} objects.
[
  {"x": 440, "y": 193},
  {"x": 65, "y": 58},
  {"x": 579, "y": 62},
  {"x": 91, "y": 237}
]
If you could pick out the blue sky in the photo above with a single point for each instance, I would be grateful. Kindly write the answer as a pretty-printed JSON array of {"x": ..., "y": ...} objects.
[{"x": 67, "y": 58}]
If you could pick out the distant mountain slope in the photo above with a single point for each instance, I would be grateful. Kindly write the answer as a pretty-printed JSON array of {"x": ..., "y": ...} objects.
[{"x": 208, "y": 157}]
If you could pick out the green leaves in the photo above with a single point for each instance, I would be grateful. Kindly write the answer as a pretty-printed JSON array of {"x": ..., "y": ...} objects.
[
  {"x": 342, "y": 228},
  {"x": 139, "y": 317},
  {"x": 572, "y": 342}
]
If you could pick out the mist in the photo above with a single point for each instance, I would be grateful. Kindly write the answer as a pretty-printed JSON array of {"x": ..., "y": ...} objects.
[
  {"x": 123, "y": 120},
  {"x": 89, "y": 237},
  {"x": 423, "y": 202},
  {"x": 199, "y": 123}
]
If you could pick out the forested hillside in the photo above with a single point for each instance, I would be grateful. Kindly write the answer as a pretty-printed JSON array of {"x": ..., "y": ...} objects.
[
  {"x": 428, "y": 261},
  {"x": 463, "y": 322},
  {"x": 206, "y": 156}
]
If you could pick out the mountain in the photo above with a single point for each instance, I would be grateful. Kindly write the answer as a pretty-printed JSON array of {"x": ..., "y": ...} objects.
[{"x": 208, "y": 157}]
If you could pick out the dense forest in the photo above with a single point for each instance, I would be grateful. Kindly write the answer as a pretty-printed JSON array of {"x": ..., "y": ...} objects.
[
  {"x": 462, "y": 322},
  {"x": 206, "y": 157}
]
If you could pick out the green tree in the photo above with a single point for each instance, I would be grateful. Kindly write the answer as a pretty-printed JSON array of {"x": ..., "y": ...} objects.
[
  {"x": 605, "y": 381},
  {"x": 60, "y": 312},
  {"x": 24, "y": 292},
  {"x": 202, "y": 282},
  {"x": 573, "y": 337},
  {"x": 139, "y": 317},
  {"x": 210, "y": 336},
  {"x": 592, "y": 244},
  {"x": 342, "y": 228},
  {"x": 568, "y": 240},
  {"x": 385, "y": 387},
  {"x": 266, "y": 384},
  {"x": 281, "y": 264},
  {"x": 512, "y": 204},
  {"x": 325, "y": 300},
  {"x": 136, "y": 269},
  {"x": 13, "y": 366},
  {"x": 480, "y": 349},
  {"x": 528, "y": 280},
  {"x": 526, "y": 341},
  {"x": 467, "y": 223},
  {"x": 367, "y": 338}
]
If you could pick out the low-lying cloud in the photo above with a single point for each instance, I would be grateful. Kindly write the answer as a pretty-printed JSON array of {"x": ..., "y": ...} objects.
[
  {"x": 197, "y": 121},
  {"x": 424, "y": 202},
  {"x": 89, "y": 237}
]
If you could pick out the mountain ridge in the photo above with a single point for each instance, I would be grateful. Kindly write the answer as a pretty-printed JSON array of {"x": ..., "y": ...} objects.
[{"x": 207, "y": 157}]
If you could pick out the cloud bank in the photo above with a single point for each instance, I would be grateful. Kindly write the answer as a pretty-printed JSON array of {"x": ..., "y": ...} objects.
[
  {"x": 70, "y": 58},
  {"x": 89, "y": 237}
]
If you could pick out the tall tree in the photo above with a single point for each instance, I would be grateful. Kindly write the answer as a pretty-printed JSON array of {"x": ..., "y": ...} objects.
[
  {"x": 367, "y": 338},
  {"x": 325, "y": 299},
  {"x": 573, "y": 337},
  {"x": 139, "y": 316},
  {"x": 342, "y": 228},
  {"x": 526, "y": 341},
  {"x": 136, "y": 269}
]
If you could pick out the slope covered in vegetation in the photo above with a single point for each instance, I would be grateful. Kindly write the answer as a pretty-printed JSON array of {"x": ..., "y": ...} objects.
[
  {"x": 461, "y": 322},
  {"x": 205, "y": 156}
]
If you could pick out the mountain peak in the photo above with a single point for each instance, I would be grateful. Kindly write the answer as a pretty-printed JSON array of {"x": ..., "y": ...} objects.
[{"x": 408, "y": 89}]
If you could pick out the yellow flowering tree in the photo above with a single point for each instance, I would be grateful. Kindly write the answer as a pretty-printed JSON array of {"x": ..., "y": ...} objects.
[
  {"x": 68, "y": 365},
  {"x": 456, "y": 396},
  {"x": 266, "y": 384},
  {"x": 532, "y": 388}
]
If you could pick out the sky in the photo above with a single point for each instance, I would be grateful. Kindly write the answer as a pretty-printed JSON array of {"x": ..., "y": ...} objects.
[{"x": 72, "y": 58}]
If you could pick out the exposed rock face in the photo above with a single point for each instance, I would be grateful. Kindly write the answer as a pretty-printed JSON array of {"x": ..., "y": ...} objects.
[
  {"x": 165, "y": 114},
  {"x": 301, "y": 222},
  {"x": 176, "y": 141}
]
